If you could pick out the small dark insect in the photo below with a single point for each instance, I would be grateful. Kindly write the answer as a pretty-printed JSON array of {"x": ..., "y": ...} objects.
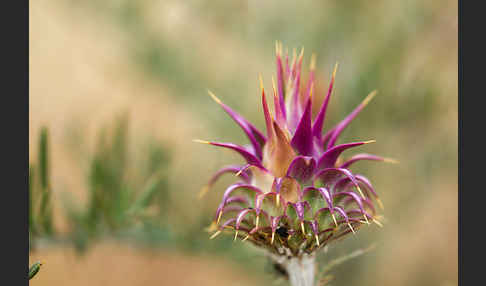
[{"x": 283, "y": 232}]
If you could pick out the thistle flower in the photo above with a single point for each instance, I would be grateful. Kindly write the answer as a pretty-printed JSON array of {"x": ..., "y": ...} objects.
[{"x": 294, "y": 195}]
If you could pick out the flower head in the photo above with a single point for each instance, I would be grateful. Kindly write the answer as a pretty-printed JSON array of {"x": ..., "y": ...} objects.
[{"x": 294, "y": 194}]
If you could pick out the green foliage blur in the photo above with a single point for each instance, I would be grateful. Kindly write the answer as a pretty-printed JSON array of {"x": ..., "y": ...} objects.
[
  {"x": 121, "y": 197},
  {"x": 40, "y": 209}
]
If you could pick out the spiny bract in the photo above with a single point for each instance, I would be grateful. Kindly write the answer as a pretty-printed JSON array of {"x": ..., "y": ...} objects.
[{"x": 294, "y": 194}]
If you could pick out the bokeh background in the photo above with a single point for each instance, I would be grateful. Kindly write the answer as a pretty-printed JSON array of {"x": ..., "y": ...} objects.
[{"x": 118, "y": 91}]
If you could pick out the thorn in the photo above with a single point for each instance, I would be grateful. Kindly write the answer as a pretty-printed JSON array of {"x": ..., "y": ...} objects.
[
  {"x": 203, "y": 192},
  {"x": 302, "y": 226},
  {"x": 257, "y": 220},
  {"x": 335, "y": 70},
  {"x": 334, "y": 219},
  {"x": 214, "y": 97},
  {"x": 369, "y": 98},
  {"x": 390, "y": 160},
  {"x": 317, "y": 239},
  {"x": 378, "y": 223},
  {"x": 219, "y": 216},
  {"x": 311, "y": 90},
  {"x": 215, "y": 234},
  {"x": 239, "y": 173},
  {"x": 360, "y": 192},
  {"x": 261, "y": 81},
  {"x": 242, "y": 170},
  {"x": 369, "y": 141},
  {"x": 351, "y": 227},
  {"x": 201, "y": 141},
  {"x": 246, "y": 238},
  {"x": 380, "y": 203},
  {"x": 212, "y": 227},
  {"x": 366, "y": 219},
  {"x": 273, "y": 236},
  {"x": 236, "y": 235},
  {"x": 278, "y": 200},
  {"x": 274, "y": 86},
  {"x": 313, "y": 62}
]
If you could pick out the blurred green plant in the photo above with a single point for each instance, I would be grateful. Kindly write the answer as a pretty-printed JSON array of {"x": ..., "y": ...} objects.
[
  {"x": 127, "y": 198},
  {"x": 40, "y": 206},
  {"x": 121, "y": 195}
]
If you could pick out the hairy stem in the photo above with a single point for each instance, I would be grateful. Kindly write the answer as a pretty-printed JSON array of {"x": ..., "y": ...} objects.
[{"x": 301, "y": 270}]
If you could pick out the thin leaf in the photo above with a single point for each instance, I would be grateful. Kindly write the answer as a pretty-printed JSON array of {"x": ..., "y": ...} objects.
[
  {"x": 43, "y": 158},
  {"x": 342, "y": 259},
  {"x": 31, "y": 199},
  {"x": 147, "y": 195}
]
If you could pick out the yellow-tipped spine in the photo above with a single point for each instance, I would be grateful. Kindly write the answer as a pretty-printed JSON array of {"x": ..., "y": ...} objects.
[
  {"x": 214, "y": 97},
  {"x": 366, "y": 219},
  {"x": 312, "y": 65},
  {"x": 261, "y": 82},
  {"x": 215, "y": 234},
  {"x": 368, "y": 98},
  {"x": 391, "y": 160},
  {"x": 219, "y": 216},
  {"x": 377, "y": 222},
  {"x": 334, "y": 219},
  {"x": 351, "y": 227},
  {"x": 335, "y": 70},
  {"x": 203, "y": 191},
  {"x": 360, "y": 192},
  {"x": 380, "y": 203},
  {"x": 201, "y": 141},
  {"x": 311, "y": 90},
  {"x": 369, "y": 141},
  {"x": 274, "y": 86}
]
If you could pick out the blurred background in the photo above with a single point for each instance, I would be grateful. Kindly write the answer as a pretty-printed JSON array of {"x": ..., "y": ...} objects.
[{"x": 118, "y": 89}]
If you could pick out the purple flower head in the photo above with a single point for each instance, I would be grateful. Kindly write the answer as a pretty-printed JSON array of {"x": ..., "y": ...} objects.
[{"x": 294, "y": 193}]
